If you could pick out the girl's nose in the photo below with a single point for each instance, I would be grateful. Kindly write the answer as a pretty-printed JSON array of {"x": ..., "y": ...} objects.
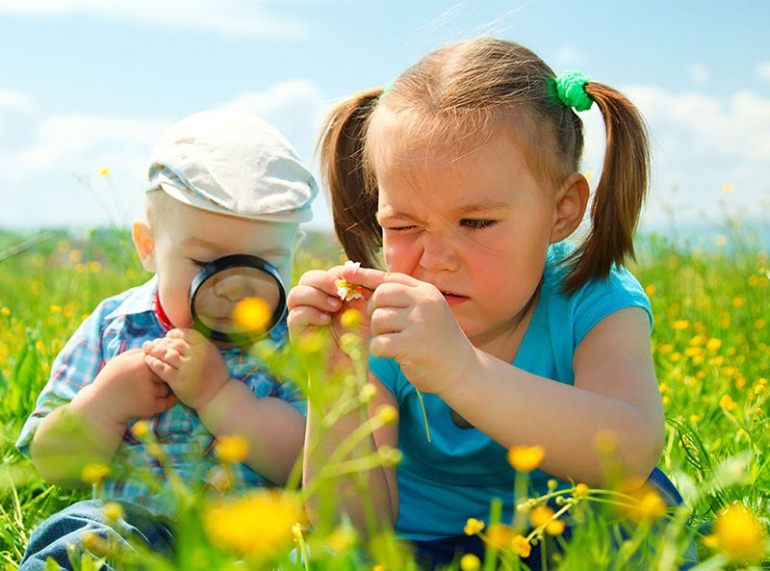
[{"x": 438, "y": 253}]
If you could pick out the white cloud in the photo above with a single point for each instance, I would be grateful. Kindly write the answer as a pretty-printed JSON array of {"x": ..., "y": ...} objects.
[
  {"x": 567, "y": 56},
  {"x": 763, "y": 70},
  {"x": 228, "y": 17},
  {"x": 37, "y": 176},
  {"x": 16, "y": 101},
  {"x": 700, "y": 142},
  {"x": 699, "y": 73}
]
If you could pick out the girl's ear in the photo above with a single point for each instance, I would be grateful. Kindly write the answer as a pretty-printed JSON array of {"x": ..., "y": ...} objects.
[
  {"x": 571, "y": 203},
  {"x": 141, "y": 232}
]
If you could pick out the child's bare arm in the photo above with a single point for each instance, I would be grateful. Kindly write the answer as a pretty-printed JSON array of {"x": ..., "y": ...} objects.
[
  {"x": 273, "y": 428},
  {"x": 89, "y": 428},
  {"x": 615, "y": 394},
  {"x": 314, "y": 305}
]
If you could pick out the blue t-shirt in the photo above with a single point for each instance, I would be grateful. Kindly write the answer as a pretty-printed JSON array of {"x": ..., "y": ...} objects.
[{"x": 455, "y": 476}]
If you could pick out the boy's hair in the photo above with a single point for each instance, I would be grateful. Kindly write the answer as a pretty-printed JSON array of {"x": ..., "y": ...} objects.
[
  {"x": 231, "y": 162},
  {"x": 455, "y": 100}
]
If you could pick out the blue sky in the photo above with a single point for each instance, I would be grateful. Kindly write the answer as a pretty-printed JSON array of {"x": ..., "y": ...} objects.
[{"x": 91, "y": 84}]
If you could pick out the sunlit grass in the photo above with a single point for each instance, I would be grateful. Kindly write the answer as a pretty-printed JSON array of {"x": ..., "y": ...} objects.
[{"x": 710, "y": 344}]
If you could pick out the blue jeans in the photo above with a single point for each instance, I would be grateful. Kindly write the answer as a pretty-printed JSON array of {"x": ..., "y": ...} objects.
[
  {"x": 433, "y": 554},
  {"x": 69, "y": 526}
]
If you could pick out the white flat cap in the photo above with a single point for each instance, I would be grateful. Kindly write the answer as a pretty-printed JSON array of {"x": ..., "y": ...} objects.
[{"x": 231, "y": 162}]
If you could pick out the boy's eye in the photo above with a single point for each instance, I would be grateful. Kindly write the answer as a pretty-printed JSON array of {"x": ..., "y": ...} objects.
[
  {"x": 474, "y": 224},
  {"x": 198, "y": 263}
]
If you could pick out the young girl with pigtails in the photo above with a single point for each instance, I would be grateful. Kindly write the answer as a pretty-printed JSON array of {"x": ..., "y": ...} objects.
[{"x": 486, "y": 323}]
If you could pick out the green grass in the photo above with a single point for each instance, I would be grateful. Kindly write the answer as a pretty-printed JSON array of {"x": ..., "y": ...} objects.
[{"x": 710, "y": 343}]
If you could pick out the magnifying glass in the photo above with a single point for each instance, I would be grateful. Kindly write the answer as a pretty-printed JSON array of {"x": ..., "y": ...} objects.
[{"x": 237, "y": 299}]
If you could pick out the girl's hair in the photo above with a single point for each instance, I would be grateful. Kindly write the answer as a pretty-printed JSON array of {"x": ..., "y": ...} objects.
[{"x": 459, "y": 97}]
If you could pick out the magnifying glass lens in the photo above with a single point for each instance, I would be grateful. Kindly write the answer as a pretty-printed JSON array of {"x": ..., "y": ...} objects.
[{"x": 237, "y": 299}]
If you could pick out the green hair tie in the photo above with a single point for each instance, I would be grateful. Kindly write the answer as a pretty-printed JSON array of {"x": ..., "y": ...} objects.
[
  {"x": 385, "y": 91},
  {"x": 571, "y": 88}
]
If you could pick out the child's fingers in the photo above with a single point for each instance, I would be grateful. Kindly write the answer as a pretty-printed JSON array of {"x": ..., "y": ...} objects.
[
  {"x": 161, "y": 368},
  {"x": 163, "y": 352},
  {"x": 371, "y": 279},
  {"x": 305, "y": 296},
  {"x": 302, "y": 317}
]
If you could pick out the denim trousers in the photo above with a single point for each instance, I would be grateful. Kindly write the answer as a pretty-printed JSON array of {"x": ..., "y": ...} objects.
[{"x": 136, "y": 527}]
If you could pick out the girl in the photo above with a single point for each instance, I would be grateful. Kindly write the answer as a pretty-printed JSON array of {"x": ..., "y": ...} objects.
[{"x": 465, "y": 174}]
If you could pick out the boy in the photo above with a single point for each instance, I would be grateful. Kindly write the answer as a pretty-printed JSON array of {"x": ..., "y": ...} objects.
[{"x": 220, "y": 182}]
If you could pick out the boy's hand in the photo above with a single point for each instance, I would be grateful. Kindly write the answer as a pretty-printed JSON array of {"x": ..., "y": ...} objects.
[
  {"x": 191, "y": 365},
  {"x": 126, "y": 389}
]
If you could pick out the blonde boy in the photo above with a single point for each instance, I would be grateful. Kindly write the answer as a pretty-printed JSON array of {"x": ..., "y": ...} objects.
[{"x": 221, "y": 182}]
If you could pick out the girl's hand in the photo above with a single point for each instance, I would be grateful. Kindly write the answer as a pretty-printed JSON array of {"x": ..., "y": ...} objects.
[
  {"x": 314, "y": 305},
  {"x": 411, "y": 322},
  {"x": 191, "y": 365}
]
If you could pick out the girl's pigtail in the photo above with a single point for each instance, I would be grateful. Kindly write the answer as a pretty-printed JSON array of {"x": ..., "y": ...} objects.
[
  {"x": 351, "y": 187},
  {"x": 621, "y": 190}
]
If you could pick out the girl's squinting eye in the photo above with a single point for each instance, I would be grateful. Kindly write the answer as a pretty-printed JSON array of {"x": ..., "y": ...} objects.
[
  {"x": 473, "y": 224},
  {"x": 198, "y": 263}
]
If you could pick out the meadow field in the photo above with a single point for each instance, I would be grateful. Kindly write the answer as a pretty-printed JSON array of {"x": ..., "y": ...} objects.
[{"x": 711, "y": 343}]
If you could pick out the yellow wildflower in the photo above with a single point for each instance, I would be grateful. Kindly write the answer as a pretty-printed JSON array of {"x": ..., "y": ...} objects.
[
  {"x": 5, "y": 311},
  {"x": 713, "y": 344},
  {"x": 104, "y": 171},
  {"x": 388, "y": 414},
  {"x": 645, "y": 501},
  {"x": 94, "y": 473},
  {"x": 469, "y": 562},
  {"x": 56, "y": 309},
  {"x": 343, "y": 538},
  {"x": 252, "y": 314},
  {"x": 526, "y": 458},
  {"x": 650, "y": 290},
  {"x": 521, "y": 546},
  {"x": 738, "y": 534},
  {"x": 727, "y": 188},
  {"x": 554, "y": 527},
  {"x": 232, "y": 448},
  {"x": 350, "y": 319},
  {"x": 581, "y": 489},
  {"x": 540, "y": 515},
  {"x": 113, "y": 511},
  {"x": 141, "y": 429},
  {"x": 473, "y": 526},
  {"x": 259, "y": 524},
  {"x": 681, "y": 324},
  {"x": 499, "y": 535},
  {"x": 727, "y": 403}
]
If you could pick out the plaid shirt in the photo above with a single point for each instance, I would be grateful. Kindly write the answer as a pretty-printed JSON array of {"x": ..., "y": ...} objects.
[{"x": 123, "y": 322}]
